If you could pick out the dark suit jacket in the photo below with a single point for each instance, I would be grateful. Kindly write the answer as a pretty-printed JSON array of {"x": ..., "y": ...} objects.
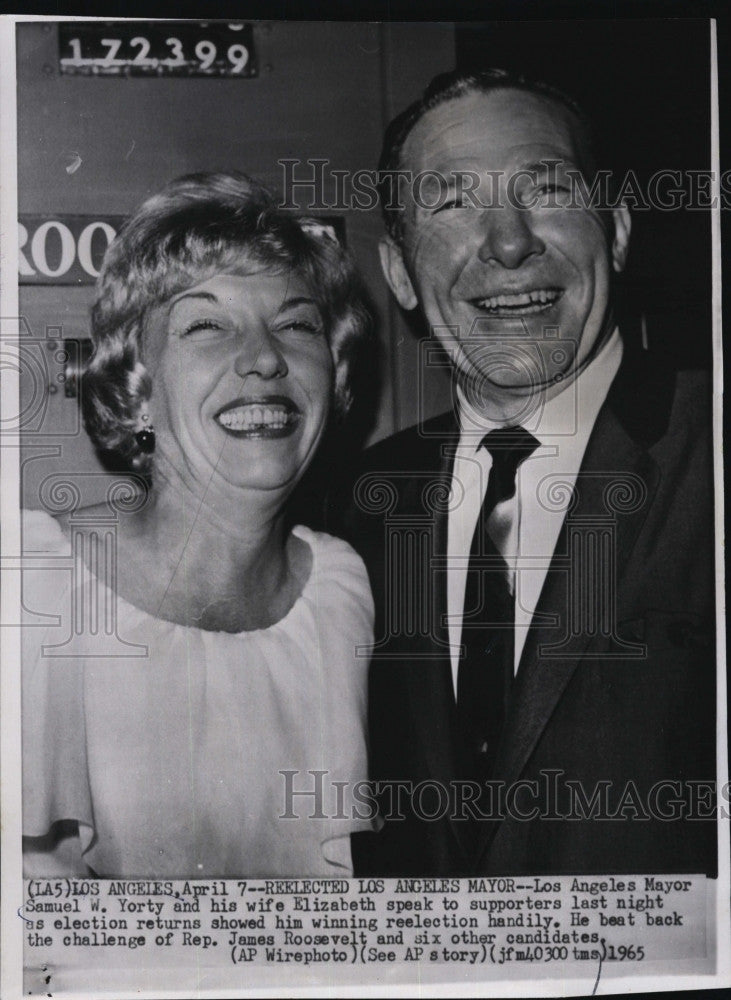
[{"x": 608, "y": 752}]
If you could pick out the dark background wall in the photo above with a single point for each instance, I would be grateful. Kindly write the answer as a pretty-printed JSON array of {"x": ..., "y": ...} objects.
[{"x": 646, "y": 86}]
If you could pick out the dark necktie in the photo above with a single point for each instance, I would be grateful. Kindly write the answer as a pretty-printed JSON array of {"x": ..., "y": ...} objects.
[{"x": 486, "y": 666}]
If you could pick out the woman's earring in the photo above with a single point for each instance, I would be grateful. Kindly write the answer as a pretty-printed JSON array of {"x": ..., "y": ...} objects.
[{"x": 145, "y": 436}]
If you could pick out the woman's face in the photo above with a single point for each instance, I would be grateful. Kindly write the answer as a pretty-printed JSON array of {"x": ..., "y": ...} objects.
[{"x": 242, "y": 378}]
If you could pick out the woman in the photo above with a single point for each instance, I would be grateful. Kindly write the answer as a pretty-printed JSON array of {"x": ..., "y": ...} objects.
[{"x": 224, "y": 330}]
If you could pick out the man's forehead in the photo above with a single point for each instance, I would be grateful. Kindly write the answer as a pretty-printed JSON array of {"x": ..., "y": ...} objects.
[{"x": 491, "y": 124}]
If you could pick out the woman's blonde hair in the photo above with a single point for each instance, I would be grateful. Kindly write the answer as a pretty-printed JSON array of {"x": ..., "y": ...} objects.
[{"x": 196, "y": 226}]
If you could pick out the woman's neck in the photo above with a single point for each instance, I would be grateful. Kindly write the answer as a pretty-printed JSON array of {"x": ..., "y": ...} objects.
[
  {"x": 212, "y": 562},
  {"x": 242, "y": 530}
]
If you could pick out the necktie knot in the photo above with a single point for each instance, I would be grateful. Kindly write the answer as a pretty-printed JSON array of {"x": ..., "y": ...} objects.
[{"x": 508, "y": 446}]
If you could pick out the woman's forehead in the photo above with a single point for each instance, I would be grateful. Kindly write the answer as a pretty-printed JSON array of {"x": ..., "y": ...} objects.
[
  {"x": 243, "y": 274},
  {"x": 266, "y": 286}
]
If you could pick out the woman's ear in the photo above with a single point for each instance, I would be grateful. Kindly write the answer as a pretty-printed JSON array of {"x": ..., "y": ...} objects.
[
  {"x": 395, "y": 273},
  {"x": 620, "y": 243}
]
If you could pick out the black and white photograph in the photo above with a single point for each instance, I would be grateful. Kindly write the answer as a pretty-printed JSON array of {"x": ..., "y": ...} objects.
[{"x": 362, "y": 506}]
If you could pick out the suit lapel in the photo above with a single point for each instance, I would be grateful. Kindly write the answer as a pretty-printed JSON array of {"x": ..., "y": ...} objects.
[
  {"x": 431, "y": 691},
  {"x": 617, "y": 454}
]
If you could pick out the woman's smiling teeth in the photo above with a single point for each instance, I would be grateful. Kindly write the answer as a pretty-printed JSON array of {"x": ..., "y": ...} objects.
[
  {"x": 257, "y": 416},
  {"x": 518, "y": 303}
]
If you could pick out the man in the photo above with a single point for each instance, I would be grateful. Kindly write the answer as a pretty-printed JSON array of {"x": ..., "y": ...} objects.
[{"x": 543, "y": 678}]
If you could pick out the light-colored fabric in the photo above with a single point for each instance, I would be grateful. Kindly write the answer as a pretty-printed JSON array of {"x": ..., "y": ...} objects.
[
  {"x": 563, "y": 426},
  {"x": 170, "y": 761}
]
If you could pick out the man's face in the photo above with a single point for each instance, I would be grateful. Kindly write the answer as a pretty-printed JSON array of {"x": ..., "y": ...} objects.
[{"x": 516, "y": 287}]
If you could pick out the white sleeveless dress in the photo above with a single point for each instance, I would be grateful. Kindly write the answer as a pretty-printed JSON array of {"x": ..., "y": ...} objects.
[{"x": 159, "y": 750}]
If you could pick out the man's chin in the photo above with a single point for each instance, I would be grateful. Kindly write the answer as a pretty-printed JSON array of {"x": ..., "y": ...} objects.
[
  {"x": 490, "y": 386},
  {"x": 509, "y": 400}
]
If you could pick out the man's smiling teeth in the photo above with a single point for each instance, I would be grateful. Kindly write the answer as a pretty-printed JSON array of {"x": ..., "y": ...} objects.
[
  {"x": 519, "y": 301},
  {"x": 255, "y": 415}
]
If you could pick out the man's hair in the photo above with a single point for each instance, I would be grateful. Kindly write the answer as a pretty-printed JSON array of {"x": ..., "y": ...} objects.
[
  {"x": 197, "y": 226},
  {"x": 447, "y": 87}
]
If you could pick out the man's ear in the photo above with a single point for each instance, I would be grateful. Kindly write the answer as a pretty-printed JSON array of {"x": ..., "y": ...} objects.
[
  {"x": 620, "y": 243},
  {"x": 395, "y": 273}
]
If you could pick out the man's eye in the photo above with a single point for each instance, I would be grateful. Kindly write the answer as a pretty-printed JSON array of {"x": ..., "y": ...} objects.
[
  {"x": 552, "y": 191},
  {"x": 448, "y": 205}
]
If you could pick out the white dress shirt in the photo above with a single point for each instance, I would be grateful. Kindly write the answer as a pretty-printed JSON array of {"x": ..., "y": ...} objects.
[{"x": 532, "y": 518}]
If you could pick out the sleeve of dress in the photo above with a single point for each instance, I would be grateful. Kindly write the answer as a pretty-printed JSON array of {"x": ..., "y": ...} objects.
[
  {"x": 59, "y": 855},
  {"x": 56, "y": 794},
  {"x": 345, "y": 629}
]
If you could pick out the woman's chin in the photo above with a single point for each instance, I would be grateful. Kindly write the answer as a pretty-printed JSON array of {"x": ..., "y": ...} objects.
[{"x": 253, "y": 481}]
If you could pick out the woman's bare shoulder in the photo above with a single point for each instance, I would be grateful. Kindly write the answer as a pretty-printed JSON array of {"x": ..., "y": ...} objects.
[
  {"x": 85, "y": 519},
  {"x": 41, "y": 532}
]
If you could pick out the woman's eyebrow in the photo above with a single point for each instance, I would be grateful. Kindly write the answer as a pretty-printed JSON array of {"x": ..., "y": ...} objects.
[
  {"x": 207, "y": 296},
  {"x": 297, "y": 300}
]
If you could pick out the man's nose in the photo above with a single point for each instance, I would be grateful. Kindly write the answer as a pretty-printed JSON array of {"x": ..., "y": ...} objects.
[
  {"x": 509, "y": 238},
  {"x": 261, "y": 354}
]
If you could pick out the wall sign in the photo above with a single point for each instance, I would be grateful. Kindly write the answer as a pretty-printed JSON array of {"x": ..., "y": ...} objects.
[
  {"x": 69, "y": 249},
  {"x": 167, "y": 48},
  {"x": 63, "y": 249}
]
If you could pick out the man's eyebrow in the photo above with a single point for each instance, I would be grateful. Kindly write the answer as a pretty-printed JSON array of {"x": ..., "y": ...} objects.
[{"x": 550, "y": 163}]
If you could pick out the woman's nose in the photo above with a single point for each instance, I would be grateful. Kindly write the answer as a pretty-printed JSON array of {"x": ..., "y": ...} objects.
[
  {"x": 261, "y": 355},
  {"x": 508, "y": 237}
]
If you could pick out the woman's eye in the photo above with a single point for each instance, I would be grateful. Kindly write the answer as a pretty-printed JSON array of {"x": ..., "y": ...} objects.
[
  {"x": 302, "y": 326},
  {"x": 202, "y": 326}
]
